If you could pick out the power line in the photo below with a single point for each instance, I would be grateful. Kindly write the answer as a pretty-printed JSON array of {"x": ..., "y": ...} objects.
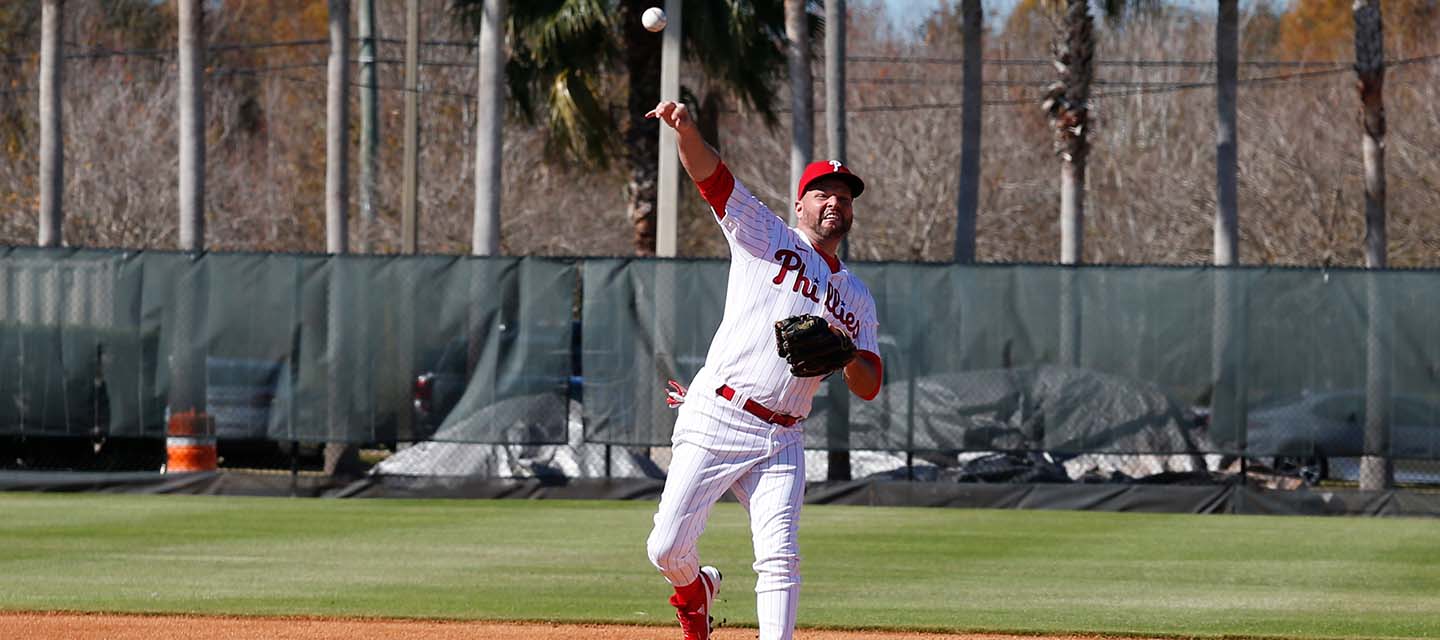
[
  {"x": 1155, "y": 87},
  {"x": 431, "y": 92},
  {"x": 1047, "y": 62},
  {"x": 1016, "y": 62},
  {"x": 1159, "y": 88}
]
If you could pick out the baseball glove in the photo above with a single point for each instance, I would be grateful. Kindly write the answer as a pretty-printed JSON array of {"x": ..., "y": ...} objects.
[{"x": 811, "y": 346}]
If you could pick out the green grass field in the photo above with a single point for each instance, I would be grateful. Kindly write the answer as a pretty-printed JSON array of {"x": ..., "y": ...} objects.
[{"x": 901, "y": 568}]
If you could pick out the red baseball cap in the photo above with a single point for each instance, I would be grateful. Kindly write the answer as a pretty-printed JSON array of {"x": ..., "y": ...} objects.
[{"x": 817, "y": 170}]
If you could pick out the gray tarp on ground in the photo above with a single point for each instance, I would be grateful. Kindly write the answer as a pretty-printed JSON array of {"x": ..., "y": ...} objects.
[
  {"x": 457, "y": 449},
  {"x": 1061, "y": 410},
  {"x": 1221, "y": 499}
]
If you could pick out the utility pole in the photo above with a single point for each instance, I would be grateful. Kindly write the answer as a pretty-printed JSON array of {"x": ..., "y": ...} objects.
[
  {"x": 489, "y": 129},
  {"x": 369, "y": 122},
  {"x": 52, "y": 141},
  {"x": 410, "y": 207}
]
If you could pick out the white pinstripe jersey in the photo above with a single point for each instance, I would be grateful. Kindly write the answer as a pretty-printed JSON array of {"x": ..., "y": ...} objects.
[{"x": 775, "y": 273}]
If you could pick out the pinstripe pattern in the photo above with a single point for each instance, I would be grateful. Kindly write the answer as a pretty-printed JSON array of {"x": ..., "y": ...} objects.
[
  {"x": 742, "y": 353},
  {"x": 770, "y": 487},
  {"x": 775, "y": 273}
]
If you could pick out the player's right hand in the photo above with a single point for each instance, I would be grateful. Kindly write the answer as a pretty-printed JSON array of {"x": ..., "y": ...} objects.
[{"x": 672, "y": 113}]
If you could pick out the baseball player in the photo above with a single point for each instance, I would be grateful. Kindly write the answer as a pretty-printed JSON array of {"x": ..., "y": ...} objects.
[{"x": 793, "y": 314}]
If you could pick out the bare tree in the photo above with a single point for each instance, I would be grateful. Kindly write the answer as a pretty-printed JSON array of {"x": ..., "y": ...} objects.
[
  {"x": 1376, "y": 470},
  {"x": 52, "y": 140},
  {"x": 802, "y": 99},
  {"x": 265, "y": 177}
]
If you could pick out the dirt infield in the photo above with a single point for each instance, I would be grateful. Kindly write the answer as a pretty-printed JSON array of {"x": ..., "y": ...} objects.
[{"x": 87, "y": 626}]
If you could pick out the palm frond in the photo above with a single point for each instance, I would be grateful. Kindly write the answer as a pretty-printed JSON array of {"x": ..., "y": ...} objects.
[
  {"x": 741, "y": 44},
  {"x": 578, "y": 125}
]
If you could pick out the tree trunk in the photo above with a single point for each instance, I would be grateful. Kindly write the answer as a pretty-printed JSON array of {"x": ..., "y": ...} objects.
[
  {"x": 1227, "y": 404},
  {"x": 489, "y": 130},
  {"x": 1069, "y": 111},
  {"x": 802, "y": 99},
  {"x": 967, "y": 203},
  {"x": 837, "y": 468},
  {"x": 668, "y": 169},
  {"x": 341, "y": 455},
  {"x": 337, "y": 130},
  {"x": 642, "y": 136},
  {"x": 1226, "y": 151},
  {"x": 192, "y": 126},
  {"x": 1376, "y": 468},
  {"x": 410, "y": 191},
  {"x": 52, "y": 141},
  {"x": 187, "y": 356},
  {"x": 1068, "y": 106},
  {"x": 369, "y": 122}
]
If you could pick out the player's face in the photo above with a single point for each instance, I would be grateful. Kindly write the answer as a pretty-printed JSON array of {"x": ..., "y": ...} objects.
[{"x": 827, "y": 208}]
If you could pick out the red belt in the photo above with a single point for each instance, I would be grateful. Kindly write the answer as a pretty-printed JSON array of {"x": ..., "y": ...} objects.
[{"x": 759, "y": 410}]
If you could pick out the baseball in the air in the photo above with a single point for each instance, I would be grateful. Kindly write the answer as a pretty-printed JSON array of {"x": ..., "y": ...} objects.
[{"x": 653, "y": 19}]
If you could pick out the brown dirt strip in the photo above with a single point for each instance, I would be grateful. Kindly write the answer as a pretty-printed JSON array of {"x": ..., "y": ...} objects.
[{"x": 98, "y": 626}]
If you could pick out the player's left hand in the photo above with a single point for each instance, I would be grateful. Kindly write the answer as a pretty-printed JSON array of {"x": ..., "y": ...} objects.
[{"x": 812, "y": 347}]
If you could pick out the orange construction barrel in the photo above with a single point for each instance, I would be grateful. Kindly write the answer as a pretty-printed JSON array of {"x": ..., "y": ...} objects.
[{"x": 190, "y": 443}]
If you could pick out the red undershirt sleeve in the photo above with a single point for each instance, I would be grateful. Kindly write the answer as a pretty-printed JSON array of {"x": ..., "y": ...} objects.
[
  {"x": 716, "y": 189},
  {"x": 874, "y": 359}
]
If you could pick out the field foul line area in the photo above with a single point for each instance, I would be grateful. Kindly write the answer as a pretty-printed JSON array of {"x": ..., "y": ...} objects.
[{"x": 107, "y": 626}]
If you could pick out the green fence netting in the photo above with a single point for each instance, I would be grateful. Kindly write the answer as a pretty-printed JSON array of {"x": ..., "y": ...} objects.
[
  {"x": 282, "y": 347},
  {"x": 1069, "y": 360}
]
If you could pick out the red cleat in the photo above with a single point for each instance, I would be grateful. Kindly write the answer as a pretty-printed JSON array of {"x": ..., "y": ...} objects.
[{"x": 695, "y": 619}]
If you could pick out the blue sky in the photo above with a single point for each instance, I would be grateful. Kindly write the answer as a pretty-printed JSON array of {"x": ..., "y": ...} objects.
[{"x": 908, "y": 14}]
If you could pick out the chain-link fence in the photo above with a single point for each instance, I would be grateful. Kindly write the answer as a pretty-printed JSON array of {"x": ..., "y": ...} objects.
[{"x": 527, "y": 366}]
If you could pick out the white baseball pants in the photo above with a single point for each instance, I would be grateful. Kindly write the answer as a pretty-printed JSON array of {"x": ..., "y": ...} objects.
[{"x": 771, "y": 488}]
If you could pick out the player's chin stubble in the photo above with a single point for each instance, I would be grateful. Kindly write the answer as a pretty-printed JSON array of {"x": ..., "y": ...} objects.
[{"x": 833, "y": 232}]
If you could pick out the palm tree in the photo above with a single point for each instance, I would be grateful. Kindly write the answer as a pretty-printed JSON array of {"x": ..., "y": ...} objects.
[
  {"x": 1376, "y": 470},
  {"x": 192, "y": 126},
  {"x": 1117, "y": 11},
  {"x": 563, "y": 51},
  {"x": 1068, "y": 103},
  {"x": 802, "y": 88},
  {"x": 52, "y": 149}
]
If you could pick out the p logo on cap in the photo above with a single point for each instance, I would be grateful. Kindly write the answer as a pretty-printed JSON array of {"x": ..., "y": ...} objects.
[{"x": 825, "y": 168}]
